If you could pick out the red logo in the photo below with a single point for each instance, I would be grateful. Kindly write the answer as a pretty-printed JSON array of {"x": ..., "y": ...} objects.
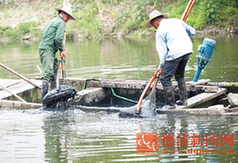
[{"x": 147, "y": 143}]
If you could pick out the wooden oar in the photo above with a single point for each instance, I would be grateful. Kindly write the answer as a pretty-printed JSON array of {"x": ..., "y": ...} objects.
[
  {"x": 184, "y": 17},
  {"x": 19, "y": 75}
]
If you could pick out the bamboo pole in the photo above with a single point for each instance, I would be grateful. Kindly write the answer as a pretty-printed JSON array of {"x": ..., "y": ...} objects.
[
  {"x": 138, "y": 108},
  {"x": 188, "y": 9},
  {"x": 66, "y": 3},
  {"x": 12, "y": 93},
  {"x": 19, "y": 75},
  {"x": 62, "y": 65},
  {"x": 39, "y": 69}
]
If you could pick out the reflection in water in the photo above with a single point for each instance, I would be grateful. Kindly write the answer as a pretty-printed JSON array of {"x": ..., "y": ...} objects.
[
  {"x": 114, "y": 59},
  {"x": 77, "y": 136},
  {"x": 56, "y": 130},
  {"x": 175, "y": 140},
  {"x": 21, "y": 137}
]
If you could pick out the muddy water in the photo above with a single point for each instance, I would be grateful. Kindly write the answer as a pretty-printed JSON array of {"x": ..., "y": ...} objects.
[{"x": 76, "y": 136}]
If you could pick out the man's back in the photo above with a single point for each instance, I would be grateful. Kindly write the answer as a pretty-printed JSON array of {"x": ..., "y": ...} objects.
[
  {"x": 175, "y": 33},
  {"x": 53, "y": 34}
]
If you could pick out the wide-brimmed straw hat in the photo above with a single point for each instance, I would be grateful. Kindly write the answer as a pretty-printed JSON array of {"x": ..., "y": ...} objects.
[
  {"x": 67, "y": 10},
  {"x": 155, "y": 14}
]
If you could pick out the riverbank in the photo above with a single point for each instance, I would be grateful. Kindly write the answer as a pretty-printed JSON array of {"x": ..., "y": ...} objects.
[{"x": 24, "y": 20}]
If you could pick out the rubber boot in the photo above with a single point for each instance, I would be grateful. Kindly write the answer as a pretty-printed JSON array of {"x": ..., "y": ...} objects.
[
  {"x": 182, "y": 94},
  {"x": 44, "y": 88},
  {"x": 52, "y": 85},
  {"x": 169, "y": 98}
]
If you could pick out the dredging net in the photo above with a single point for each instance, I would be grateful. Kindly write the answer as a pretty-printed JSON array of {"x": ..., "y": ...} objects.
[
  {"x": 148, "y": 108},
  {"x": 58, "y": 98}
]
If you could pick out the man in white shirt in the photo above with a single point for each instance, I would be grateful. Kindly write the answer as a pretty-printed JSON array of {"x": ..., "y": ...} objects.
[{"x": 174, "y": 46}]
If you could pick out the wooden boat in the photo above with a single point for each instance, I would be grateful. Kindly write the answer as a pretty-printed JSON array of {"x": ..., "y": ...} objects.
[{"x": 204, "y": 97}]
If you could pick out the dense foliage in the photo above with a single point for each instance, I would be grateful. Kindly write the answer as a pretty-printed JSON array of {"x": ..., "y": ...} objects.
[
  {"x": 97, "y": 19},
  {"x": 221, "y": 13},
  {"x": 131, "y": 15}
]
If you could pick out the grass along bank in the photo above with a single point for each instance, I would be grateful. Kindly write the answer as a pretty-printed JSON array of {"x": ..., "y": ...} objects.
[{"x": 99, "y": 19}]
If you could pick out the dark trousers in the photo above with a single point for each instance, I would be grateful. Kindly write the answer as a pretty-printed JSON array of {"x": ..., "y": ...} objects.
[{"x": 175, "y": 68}]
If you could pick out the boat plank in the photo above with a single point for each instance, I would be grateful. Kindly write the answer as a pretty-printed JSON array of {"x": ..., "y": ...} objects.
[
  {"x": 233, "y": 99},
  {"x": 16, "y": 88},
  {"x": 8, "y": 82},
  {"x": 202, "y": 98},
  {"x": 197, "y": 111},
  {"x": 18, "y": 104},
  {"x": 118, "y": 84},
  {"x": 199, "y": 82},
  {"x": 96, "y": 109},
  {"x": 235, "y": 109},
  {"x": 137, "y": 84}
]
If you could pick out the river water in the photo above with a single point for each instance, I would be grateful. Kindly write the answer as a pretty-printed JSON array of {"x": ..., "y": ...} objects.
[
  {"x": 123, "y": 59},
  {"x": 77, "y": 136}
]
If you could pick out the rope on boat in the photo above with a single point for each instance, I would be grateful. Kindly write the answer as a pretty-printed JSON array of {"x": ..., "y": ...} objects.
[{"x": 113, "y": 92}]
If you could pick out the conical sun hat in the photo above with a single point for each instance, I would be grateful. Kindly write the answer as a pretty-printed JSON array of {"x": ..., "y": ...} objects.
[
  {"x": 155, "y": 14},
  {"x": 67, "y": 10}
]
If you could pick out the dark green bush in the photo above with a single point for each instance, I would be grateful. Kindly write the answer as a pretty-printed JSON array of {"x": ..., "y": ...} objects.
[{"x": 27, "y": 27}]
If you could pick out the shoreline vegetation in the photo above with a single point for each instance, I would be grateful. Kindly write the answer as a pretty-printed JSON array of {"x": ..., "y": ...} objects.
[{"x": 100, "y": 19}]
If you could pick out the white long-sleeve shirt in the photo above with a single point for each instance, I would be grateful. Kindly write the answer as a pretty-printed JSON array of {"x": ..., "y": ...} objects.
[{"x": 172, "y": 39}]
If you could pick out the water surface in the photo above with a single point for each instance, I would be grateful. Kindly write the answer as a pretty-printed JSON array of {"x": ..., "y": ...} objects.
[
  {"x": 119, "y": 59},
  {"x": 76, "y": 136}
]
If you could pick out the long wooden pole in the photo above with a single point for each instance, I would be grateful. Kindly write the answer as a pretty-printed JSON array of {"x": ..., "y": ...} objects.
[
  {"x": 58, "y": 76},
  {"x": 39, "y": 69},
  {"x": 13, "y": 93},
  {"x": 184, "y": 17},
  {"x": 19, "y": 75},
  {"x": 145, "y": 90},
  {"x": 66, "y": 3},
  {"x": 62, "y": 64},
  {"x": 188, "y": 9}
]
